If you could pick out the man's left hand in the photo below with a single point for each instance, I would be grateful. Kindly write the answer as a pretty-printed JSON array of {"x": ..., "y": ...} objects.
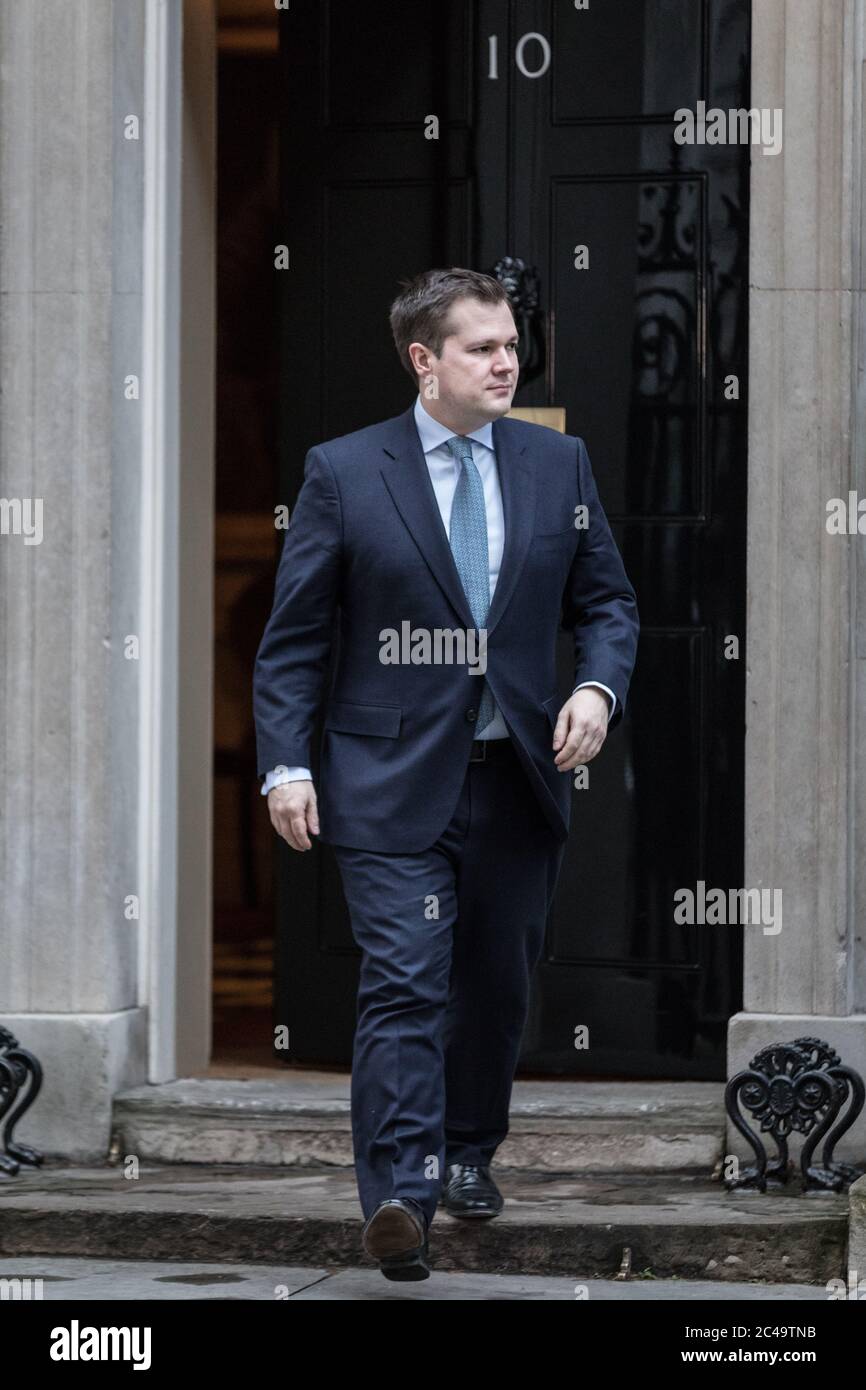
[{"x": 581, "y": 728}]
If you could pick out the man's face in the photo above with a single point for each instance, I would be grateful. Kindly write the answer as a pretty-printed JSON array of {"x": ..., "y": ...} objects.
[{"x": 477, "y": 372}]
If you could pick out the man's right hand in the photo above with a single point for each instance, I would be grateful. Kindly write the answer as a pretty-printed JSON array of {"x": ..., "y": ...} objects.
[{"x": 293, "y": 810}]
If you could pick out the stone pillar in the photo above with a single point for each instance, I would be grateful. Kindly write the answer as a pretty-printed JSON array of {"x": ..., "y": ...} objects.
[
  {"x": 107, "y": 348},
  {"x": 71, "y": 188},
  {"x": 806, "y": 639}
]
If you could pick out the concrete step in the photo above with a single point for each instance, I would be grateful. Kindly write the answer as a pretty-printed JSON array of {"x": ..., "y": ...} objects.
[
  {"x": 577, "y": 1227},
  {"x": 304, "y": 1118}
]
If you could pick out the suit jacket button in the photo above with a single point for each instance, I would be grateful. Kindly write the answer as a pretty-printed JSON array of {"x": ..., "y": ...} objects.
[{"x": 472, "y": 715}]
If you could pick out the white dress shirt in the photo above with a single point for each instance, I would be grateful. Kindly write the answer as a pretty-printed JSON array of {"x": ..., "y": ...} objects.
[{"x": 444, "y": 471}]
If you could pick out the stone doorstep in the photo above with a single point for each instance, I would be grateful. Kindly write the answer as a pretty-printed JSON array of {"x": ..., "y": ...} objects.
[
  {"x": 305, "y": 1118},
  {"x": 580, "y": 1227},
  {"x": 584, "y": 1147},
  {"x": 857, "y": 1235}
]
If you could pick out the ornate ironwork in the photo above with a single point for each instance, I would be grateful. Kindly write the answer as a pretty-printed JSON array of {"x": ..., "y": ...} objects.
[
  {"x": 522, "y": 284},
  {"x": 20, "y": 1083},
  {"x": 800, "y": 1086}
]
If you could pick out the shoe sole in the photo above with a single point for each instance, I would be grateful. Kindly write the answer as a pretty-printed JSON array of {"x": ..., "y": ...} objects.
[
  {"x": 478, "y": 1214},
  {"x": 392, "y": 1240},
  {"x": 407, "y": 1271}
]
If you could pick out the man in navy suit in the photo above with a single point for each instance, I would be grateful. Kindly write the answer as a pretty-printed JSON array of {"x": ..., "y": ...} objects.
[{"x": 451, "y": 544}]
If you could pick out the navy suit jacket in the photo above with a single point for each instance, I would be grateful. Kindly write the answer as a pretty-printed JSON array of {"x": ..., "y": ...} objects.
[{"x": 366, "y": 546}]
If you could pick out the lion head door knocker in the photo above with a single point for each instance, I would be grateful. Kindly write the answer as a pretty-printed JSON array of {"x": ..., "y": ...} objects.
[{"x": 522, "y": 284}]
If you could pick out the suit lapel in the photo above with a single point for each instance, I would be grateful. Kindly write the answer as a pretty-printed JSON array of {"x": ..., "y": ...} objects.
[
  {"x": 407, "y": 478},
  {"x": 518, "y": 483},
  {"x": 408, "y": 481}
]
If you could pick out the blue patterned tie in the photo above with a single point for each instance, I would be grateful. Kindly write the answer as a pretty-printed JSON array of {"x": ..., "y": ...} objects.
[{"x": 468, "y": 537}]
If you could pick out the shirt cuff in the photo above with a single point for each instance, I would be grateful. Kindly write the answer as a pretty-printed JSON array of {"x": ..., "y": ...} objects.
[
  {"x": 599, "y": 686},
  {"x": 278, "y": 775}
]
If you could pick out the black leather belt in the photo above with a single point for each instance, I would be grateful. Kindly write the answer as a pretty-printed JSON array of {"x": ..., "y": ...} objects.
[{"x": 488, "y": 750}]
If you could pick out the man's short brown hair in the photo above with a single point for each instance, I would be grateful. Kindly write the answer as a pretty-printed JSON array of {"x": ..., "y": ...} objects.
[{"x": 420, "y": 312}]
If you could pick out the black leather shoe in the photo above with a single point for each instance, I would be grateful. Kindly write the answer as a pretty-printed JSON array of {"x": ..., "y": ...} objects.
[
  {"x": 470, "y": 1191},
  {"x": 396, "y": 1236}
]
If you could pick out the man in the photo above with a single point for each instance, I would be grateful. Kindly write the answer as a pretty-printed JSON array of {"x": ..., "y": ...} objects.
[{"x": 445, "y": 786}]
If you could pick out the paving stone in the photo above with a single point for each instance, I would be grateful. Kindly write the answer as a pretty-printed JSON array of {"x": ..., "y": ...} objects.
[{"x": 69, "y": 1279}]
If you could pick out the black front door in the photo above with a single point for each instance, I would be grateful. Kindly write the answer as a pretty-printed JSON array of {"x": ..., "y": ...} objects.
[{"x": 458, "y": 134}]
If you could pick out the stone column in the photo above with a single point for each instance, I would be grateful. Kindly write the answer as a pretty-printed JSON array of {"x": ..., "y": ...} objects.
[
  {"x": 806, "y": 639},
  {"x": 107, "y": 348}
]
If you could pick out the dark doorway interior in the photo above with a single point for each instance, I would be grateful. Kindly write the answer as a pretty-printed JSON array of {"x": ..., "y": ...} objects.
[{"x": 245, "y": 542}]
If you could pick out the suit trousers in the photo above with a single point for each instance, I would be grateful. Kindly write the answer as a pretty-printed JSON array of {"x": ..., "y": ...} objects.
[{"x": 449, "y": 938}]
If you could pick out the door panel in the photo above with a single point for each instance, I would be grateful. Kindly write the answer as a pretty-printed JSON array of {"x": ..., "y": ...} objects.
[{"x": 636, "y": 350}]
